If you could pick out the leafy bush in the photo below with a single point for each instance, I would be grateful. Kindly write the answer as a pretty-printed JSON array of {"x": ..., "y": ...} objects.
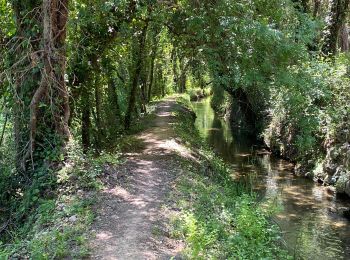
[{"x": 307, "y": 110}]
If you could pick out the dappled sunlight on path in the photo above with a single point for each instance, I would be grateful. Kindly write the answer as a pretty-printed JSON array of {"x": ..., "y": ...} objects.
[{"x": 131, "y": 221}]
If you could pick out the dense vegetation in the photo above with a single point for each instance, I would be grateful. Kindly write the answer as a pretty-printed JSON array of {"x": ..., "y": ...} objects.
[
  {"x": 220, "y": 218},
  {"x": 80, "y": 74}
]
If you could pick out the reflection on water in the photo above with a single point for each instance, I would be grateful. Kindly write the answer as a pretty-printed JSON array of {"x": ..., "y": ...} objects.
[{"x": 310, "y": 226}]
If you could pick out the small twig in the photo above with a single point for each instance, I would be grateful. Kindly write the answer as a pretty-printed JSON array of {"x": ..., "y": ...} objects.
[
  {"x": 3, "y": 129},
  {"x": 4, "y": 226}
]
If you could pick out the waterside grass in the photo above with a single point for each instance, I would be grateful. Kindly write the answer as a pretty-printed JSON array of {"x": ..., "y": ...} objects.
[{"x": 218, "y": 218}]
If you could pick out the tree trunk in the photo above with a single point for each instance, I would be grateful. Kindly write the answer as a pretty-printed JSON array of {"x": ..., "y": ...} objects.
[
  {"x": 42, "y": 111},
  {"x": 138, "y": 56},
  {"x": 162, "y": 84},
  {"x": 99, "y": 121},
  {"x": 183, "y": 76},
  {"x": 344, "y": 38},
  {"x": 152, "y": 64},
  {"x": 85, "y": 120},
  {"x": 100, "y": 133},
  {"x": 183, "y": 80},
  {"x": 151, "y": 79},
  {"x": 335, "y": 20},
  {"x": 3, "y": 129},
  {"x": 143, "y": 95},
  {"x": 113, "y": 102},
  {"x": 175, "y": 70},
  {"x": 317, "y": 6}
]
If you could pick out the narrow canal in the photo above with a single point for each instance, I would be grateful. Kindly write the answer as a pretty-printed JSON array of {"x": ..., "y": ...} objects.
[{"x": 311, "y": 227}]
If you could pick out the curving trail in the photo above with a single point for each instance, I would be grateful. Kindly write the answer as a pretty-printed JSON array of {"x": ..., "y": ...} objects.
[{"x": 132, "y": 220}]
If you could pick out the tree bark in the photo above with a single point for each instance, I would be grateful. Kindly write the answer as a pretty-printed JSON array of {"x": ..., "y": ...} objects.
[
  {"x": 42, "y": 111},
  {"x": 183, "y": 76},
  {"x": 335, "y": 20},
  {"x": 113, "y": 102},
  {"x": 3, "y": 129},
  {"x": 143, "y": 94},
  {"x": 175, "y": 70},
  {"x": 317, "y": 6},
  {"x": 99, "y": 121},
  {"x": 138, "y": 56},
  {"x": 151, "y": 79},
  {"x": 85, "y": 120},
  {"x": 344, "y": 38},
  {"x": 100, "y": 131}
]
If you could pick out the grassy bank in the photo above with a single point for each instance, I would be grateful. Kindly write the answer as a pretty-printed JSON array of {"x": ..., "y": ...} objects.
[
  {"x": 56, "y": 226},
  {"x": 219, "y": 218}
]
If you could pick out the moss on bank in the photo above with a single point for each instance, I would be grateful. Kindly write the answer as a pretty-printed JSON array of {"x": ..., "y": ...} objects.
[{"x": 219, "y": 218}]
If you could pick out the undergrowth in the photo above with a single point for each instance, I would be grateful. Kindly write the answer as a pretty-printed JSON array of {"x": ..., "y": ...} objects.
[
  {"x": 219, "y": 218},
  {"x": 198, "y": 93},
  {"x": 57, "y": 227},
  {"x": 53, "y": 216}
]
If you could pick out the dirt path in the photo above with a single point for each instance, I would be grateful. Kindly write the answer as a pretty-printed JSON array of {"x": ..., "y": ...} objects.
[{"x": 131, "y": 221}]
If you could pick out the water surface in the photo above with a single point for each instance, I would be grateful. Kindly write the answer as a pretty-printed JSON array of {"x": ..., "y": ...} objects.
[{"x": 311, "y": 227}]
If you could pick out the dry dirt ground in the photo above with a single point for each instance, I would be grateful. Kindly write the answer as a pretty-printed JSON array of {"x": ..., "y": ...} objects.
[{"x": 132, "y": 217}]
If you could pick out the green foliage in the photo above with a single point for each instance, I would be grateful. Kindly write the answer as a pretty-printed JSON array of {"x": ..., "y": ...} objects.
[
  {"x": 304, "y": 109},
  {"x": 219, "y": 218},
  {"x": 267, "y": 49},
  {"x": 50, "y": 232},
  {"x": 198, "y": 93},
  {"x": 57, "y": 227},
  {"x": 7, "y": 155},
  {"x": 220, "y": 100},
  {"x": 7, "y": 24},
  {"x": 184, "y": 100}
]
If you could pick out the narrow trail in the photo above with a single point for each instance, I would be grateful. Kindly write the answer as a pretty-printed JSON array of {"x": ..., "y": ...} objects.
[{"x": 131, "y": 220}]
